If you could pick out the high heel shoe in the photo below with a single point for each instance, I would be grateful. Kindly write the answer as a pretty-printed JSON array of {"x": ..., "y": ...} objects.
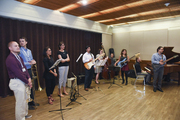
[
  {"x": 51, "y": 98},
  {"x": 50, "y": 101}
]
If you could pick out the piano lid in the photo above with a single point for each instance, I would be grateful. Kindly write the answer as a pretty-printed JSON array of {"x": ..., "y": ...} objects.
[{"x": 169, "y": 53}]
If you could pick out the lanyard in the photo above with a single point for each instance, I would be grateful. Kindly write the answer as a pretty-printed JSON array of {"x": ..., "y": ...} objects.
[
  {"x": 18, "y": 58},
  {"x": 26, "y": 53}
]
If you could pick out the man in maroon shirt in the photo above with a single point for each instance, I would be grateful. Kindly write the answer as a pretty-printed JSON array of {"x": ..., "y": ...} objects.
[{"x": 19, "y": 80}]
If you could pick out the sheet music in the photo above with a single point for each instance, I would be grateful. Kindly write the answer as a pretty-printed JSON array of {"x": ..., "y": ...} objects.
[
  {"x": 55, "y": 64},
  {"x": 147, "y": 69},
  {"x": 101, "y": 63}
]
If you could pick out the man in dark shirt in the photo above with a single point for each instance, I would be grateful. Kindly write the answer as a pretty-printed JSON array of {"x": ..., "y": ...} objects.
[
  {"x": 113, "y": 59},
  {"x": 19, "y": 80},
  {"x": 139, "y": 71}
]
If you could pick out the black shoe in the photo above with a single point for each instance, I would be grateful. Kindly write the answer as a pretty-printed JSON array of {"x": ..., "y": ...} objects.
[
  {"x": 31, "y": 107},
  {"x": 147, "y": 83},
  {"x": 160, "y": 89},
  {"x": 28, "y": 116},
  {"x": 126, "y": 83},
  {"x": 154, "y": 89},
  {"x": 86, "y": 89},
  {"x": 36, "y": 104},
  {"x": 123, "y": 82}
]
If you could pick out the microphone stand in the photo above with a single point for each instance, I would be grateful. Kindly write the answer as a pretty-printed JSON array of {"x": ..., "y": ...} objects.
[
  {"x": 60, "y": 109},
  {"x": 79, "y": 95}
]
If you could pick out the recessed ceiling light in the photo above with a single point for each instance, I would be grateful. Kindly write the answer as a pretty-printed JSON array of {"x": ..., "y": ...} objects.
[
  {"x": 84, "y": 2},
  {"x": 167, "y": 4}
]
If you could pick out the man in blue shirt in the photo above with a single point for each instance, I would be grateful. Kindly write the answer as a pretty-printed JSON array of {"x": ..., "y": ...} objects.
[
  {"x": 158, "y": 67},
  {"x": 26, "y": 55}
]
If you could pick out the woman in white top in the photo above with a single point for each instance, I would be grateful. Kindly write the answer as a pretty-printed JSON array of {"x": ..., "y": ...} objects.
[{"x": 98, "y": 69}]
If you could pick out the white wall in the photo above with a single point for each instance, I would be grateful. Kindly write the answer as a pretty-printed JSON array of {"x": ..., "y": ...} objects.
[
  {"x": 15, "y": 9},
  {"x": 146, "y": 37},
  {"x": 107, "y": 42}
]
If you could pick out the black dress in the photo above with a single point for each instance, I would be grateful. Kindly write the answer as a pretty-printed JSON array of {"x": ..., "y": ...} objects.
[{"x": 49, "y": 77}]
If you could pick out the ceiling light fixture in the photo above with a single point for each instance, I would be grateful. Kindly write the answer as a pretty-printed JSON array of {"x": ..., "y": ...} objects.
[
  {"x": 167, "y": 4},
  {"x": 31, "y": 1},
  {"x": 84, "y": 2}
]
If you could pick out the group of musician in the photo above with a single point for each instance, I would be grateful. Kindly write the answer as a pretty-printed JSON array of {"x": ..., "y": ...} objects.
[{"x": 20, "y": 60}]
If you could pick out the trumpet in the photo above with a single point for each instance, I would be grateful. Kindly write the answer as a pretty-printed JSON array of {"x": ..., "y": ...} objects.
[
  {"x": 35, "y": 75},
  {"x": 28, "y": 92}
]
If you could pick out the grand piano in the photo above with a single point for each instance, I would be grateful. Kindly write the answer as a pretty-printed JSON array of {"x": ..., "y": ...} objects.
[{"x": 172, "y": 66}]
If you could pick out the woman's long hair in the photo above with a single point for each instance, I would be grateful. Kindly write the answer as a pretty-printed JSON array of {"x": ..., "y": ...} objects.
[
  {"x": 123, "y": 51},
  {"x": 44, "y": 51}
]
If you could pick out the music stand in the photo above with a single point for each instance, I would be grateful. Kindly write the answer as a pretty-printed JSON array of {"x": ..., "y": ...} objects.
[
  {"x": 114, "y": 68},
  {"x": 77, "y": 61},
  {"x": 73, "y": 100},
  {"x": 60, "y": 109},
  {"x": 54, "y": 65},
  {"x": 101, "y": 63}
]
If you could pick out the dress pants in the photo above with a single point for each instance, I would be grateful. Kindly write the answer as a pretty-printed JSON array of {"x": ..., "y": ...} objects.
[
  {"x": 50, "y": 85},
  {"x": 88, "y": 77},
  {"x": 158, "y": 74},
  {"x": 19, "y": 89}
]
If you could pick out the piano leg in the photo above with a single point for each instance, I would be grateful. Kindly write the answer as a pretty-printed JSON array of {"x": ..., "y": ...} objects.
[{"x": 167, "y": 77}]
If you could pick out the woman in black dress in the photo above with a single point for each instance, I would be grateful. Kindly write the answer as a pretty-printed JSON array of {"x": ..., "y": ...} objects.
[{"x": 49, "y": 75}]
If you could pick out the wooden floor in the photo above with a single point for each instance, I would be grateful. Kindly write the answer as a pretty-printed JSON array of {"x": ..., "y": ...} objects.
[{"x": 127, "y": 103}]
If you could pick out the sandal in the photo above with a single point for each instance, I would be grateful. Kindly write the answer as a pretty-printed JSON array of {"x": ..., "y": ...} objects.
[
  {"x": 50, "y": 101},
  {"x": 60, "y": 95},
  {"x": 51, "y": 98},
  {"x": 97, "y": 82},
  {"x": 65, "y": 93}
]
